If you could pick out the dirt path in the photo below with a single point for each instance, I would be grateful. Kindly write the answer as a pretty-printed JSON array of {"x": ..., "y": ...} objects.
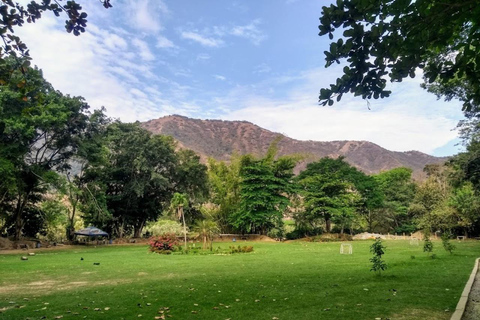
[{"x": 472, "y": 311}]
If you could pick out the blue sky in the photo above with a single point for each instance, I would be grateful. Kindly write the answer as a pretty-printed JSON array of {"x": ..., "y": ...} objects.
[{"x": 260, "y": 61}]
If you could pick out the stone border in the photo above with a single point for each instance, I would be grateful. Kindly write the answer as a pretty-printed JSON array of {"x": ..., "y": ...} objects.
[{"x": 462, "y": 303}]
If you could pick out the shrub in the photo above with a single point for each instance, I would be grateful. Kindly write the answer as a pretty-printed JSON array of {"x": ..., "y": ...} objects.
[
  {"x": 240, "y": 249},
  {"x": 164, "y": 226},
  {"x": 164, "y": 244},
  {"x": 427, "y": 245},
  {"x": 378, "y": 249},
  {"x": 330, "y": 237},
  {"x": 447, "y": 245}
]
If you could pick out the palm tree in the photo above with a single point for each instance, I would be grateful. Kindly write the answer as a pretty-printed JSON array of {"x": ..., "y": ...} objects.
[
  {"x": 207, "y": 229},
  {"x": 178, "y": 203}
]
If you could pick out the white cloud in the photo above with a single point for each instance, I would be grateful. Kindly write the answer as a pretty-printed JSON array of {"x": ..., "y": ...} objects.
[
  {"x": 262, "y": 68},
  {"x": 114, "y": 42},
  {"x": 219, "y": 77},
  {"x": 403, "y": 122},
  {"x": 83, "y": 66},
  {"x": 203, "y": 40},
  {"x": 163, "y": 42},
  {"x": 250, "y": 32},
  {"x": 143, "y": 50},
  {"x": 146, "y": 14},
  {"x": 203, "y": 57}
]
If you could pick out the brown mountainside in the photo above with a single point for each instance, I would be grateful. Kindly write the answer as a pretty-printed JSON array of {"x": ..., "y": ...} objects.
[{"x": 220, "y": 139}]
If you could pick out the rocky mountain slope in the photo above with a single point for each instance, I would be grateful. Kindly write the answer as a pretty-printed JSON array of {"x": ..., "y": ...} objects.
[{"x": 220, "y": 139}]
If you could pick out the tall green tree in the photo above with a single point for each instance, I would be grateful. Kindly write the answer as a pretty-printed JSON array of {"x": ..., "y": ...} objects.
[
  {"x": 224, "y": 182},
  {"x": 40, "y": 130},
  {"x": 328, "y": 191},
  {"x": 178, "y": 204},
  {"x": 137, "y": 176},
  {"x": 264, "y": 188},
  {"x": 391, "y": 39},
  {"x": 399, "y": 190},
  {"x": 430, "y": 205},
  {"x": 466, "y": 203}
]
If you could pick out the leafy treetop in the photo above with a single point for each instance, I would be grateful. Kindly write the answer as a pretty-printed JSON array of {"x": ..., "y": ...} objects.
[
  {"x": 13, "y": 14},
  {"x": 394, "y": 38}
]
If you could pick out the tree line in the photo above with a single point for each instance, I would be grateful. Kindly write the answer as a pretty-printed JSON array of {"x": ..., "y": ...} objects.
[{"x": 62, "y": 166}]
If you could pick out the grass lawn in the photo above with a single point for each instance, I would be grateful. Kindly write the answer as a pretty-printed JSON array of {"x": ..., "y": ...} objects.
[{"x": 278, "y": 280}]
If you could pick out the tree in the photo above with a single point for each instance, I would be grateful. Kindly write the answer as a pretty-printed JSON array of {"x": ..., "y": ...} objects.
[
  {"x": 378, "y": 250},
  {"x": 395, "y": 38},
  {"x": 139, "y": 176},
  {"x": 431, "y": 203},
  {"x": 15, "y": 15},
  {"x": 465, "y": 201},
  {"x": 224, "y": 181},
  {"x": 398, "y": 191},
  {"x": 40, "y": 130},
  {"x": 326, "y": 191},
  {"x": 206, "y": 229},
  {"x": 178, "y": 203},
  {"x": 264, "y": 188},
  {"x": 334, "y": 190}
]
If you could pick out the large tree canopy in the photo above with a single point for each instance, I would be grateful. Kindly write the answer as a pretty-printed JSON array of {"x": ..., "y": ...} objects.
[
  {"x": 395, "y": 38},
  {"x": 14, "y": 14}
]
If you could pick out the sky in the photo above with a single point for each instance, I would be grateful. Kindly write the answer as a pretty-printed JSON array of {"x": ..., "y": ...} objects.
[{"x": 259, "y": 61}]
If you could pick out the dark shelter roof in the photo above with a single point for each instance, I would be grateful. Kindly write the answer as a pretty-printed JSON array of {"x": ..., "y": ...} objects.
[{"x": 91, "y": 232}]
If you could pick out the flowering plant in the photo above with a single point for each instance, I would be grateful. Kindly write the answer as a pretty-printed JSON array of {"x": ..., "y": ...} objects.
[{"x": 165, "y": 243}]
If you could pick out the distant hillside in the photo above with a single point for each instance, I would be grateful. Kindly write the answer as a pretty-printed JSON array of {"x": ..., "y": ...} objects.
[{"x": 220, "y": 139}]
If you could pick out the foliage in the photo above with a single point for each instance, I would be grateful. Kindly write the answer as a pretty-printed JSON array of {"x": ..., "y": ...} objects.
[
  {"x": 264, "y": 189},
  {"x": 224, "y": 181},
  {"x": 378, "y": 250},
  {"x": 467, "y": 206},
  {"x": 427, "y": 243},
  {"x": 40, "y": 130},
  {"x": 164, "y": 226},
  {"x": 447, "y": 245},
  {"x": 14, "y": 14},
  {"x": 431, "y": 203},
  {"x": 191, "y": 175},
  {"x": 398, "y": 189},
  {"x": 329, "y": 192},
  {"x": 54, "y": 215},
  {"x": 164, "y": 244},
  {"x": 135, "y": 175},
  {"x": 240, "y": 249},
  {"x": 206, "y": 229},
  {"x": 393, "y": 38}
]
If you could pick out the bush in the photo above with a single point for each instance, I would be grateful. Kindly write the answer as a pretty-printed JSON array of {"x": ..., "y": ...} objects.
[
  {"x": 164, "y": 226},
  {"x": 447, "y": 245},
  {"x": 427, "y": 245},
  {"x": 330, "y": 237},
  {"x": 240, "y": 249},
  {"x": 378, "y": 250},
  {"x": 164, "y": 244}
]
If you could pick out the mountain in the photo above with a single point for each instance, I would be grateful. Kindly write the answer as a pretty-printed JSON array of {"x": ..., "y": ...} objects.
[{"x": 219, "y": 139}]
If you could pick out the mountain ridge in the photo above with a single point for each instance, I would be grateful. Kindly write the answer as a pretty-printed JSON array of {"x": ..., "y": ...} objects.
[{"x": 220, "y": 139}]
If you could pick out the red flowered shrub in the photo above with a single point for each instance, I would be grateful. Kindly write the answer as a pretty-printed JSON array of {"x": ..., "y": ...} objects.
[{"x": 164, "y": 244}]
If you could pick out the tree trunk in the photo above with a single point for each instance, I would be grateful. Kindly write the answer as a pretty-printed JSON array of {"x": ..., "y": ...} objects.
[
  {"x": 204, "y": 242},
  {"x": 137, "y": 233},
  {"x": 370, "y": 223},
  {"x": 19, "y": 216},
  {"x": 328, "y": 225},
  {"x": 71, "y": 222}
]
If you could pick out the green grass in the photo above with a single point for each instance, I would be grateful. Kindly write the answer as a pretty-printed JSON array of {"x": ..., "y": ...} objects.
[{"x": 283, "y": 280}]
